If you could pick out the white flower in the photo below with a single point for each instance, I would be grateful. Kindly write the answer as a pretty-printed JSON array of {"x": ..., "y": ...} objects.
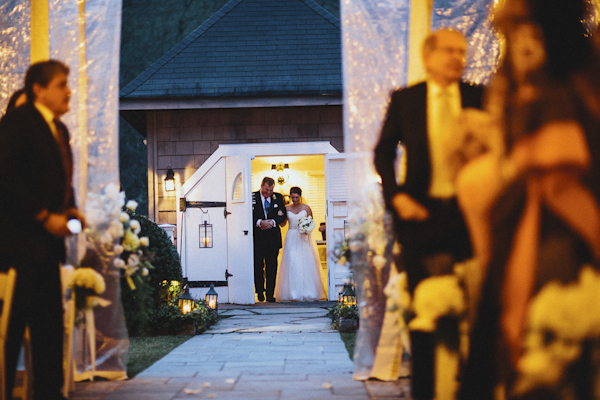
[
  {"x": 131, "y": 205},
  {"x": 118, "y": 249},
  {"x": 119, "y": 263},
  {"x": 306, "y": 225},
  {"x": 116, "y": 228},
  {"x": 123, "y": 217},
  {"x": 144, "y": 241},
  {"x": 135, "y": 225},
  {"x": 559, "y": 319},
  {"x": 436, "y": 297},
  {"x": 145, "y": 271},
  {"x": 133, "y": 260}
]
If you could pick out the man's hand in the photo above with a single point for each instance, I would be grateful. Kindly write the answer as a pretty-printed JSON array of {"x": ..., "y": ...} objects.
[
  {"x": 266, "y": 224},
  {"x": 56, "y": 224},
  {"x": 408, "y": 208}
]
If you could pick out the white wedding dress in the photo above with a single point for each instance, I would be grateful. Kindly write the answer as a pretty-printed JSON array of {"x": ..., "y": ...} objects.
[{"x": 300, "y": 276}]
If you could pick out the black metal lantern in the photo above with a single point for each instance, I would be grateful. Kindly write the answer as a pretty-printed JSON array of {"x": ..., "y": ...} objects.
[
  {"x": 170, "y": 180},
  {"x": 348, "y": 295},
  {"x": 206, "y": 235},
  {"x": 186, "y": 301},
  {"x": 212, "y": 298}
]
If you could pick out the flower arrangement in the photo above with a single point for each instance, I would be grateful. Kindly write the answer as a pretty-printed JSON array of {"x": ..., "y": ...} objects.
[
  {"x": 306, "y": 225},
  {"x": 113, "y": 236},
  {"x": 436, "y": 297},
  {"x": 132, "y": 254},
  {"x": 559, "y": 325},
  {"x": 87, "y": 284}
]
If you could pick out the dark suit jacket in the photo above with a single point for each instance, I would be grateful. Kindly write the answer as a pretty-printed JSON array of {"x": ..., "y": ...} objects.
[
  {"x": 269, "y": 239},
  {"x": 33, "y": 178},
  {"x": 406, "y": 122}
]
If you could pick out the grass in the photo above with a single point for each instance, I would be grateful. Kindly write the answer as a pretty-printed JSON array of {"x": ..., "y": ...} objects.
[
  {"x": 349, "y": 339},
  {"x": 145, "y": 351}
]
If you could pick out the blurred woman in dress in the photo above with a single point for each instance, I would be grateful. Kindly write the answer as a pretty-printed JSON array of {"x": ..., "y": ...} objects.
[{"x": 532, "y": 211}]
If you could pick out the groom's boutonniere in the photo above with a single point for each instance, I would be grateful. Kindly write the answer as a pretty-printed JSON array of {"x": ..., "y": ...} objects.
[{"x": 274, "y": 197}]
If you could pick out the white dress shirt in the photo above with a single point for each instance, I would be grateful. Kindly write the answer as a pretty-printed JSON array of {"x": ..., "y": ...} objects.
[
  {"x": 262, "y": 199},
  {"x": 439, "y": 133}
]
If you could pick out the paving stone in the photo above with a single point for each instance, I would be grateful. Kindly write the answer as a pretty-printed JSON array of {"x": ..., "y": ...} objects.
[{"x": 276, "y": 352}]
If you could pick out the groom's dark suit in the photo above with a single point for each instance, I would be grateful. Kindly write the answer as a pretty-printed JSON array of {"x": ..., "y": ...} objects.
[
  {"x": 444, "y": 231},
  {"x": 267, "y": 242},
  {"x": 34, "y": 178}
]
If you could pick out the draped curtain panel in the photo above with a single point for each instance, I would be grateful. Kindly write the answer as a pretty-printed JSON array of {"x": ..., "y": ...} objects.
[
  {"x": 85, "y": 35},
  {"x": 375, "y": 40}
]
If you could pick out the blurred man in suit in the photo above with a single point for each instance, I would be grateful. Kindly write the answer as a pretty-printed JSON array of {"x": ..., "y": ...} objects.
[
  {"x": 428, "y": 223},
  {"x": 36, "y": 170},
  {"x": 268, "y": 213}
]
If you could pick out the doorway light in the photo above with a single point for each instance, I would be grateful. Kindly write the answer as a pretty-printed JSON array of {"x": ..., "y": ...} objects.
[{"x": 280, "y": 172}]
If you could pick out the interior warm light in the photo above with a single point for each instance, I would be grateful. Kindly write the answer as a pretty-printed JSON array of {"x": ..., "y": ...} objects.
[{"x": 280, "y": 172}]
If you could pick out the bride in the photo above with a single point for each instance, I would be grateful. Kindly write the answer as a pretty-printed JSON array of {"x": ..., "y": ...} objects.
[{"x": 300, "y": 276}]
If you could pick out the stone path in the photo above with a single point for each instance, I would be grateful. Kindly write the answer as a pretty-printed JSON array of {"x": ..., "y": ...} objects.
[{"x": 271, "y": 351}]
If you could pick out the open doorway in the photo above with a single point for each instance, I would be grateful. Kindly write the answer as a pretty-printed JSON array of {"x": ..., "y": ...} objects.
[
  {"x": 219, "y": 194},
  {"x": 308, "y": 173}
]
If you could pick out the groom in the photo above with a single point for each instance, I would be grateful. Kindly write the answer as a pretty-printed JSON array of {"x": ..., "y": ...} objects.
[{"x": 268, "y": 213}]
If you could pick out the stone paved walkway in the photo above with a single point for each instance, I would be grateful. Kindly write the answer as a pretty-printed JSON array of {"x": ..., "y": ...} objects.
[{"x": 270, "y": 351}]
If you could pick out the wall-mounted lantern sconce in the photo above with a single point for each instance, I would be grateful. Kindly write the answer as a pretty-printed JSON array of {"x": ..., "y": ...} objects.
[
  {"x": 280, "y": 172},
  {"x": 206, "y": 231},
  {"x": 212, "y": 298},
  {"x": 186, "y": 301},
  {"x": 170, "y": 180}
]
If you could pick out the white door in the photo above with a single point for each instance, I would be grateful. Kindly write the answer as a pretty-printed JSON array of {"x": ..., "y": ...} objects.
[
  {"x": 240, "y": 250},
  {"x": 336, "y": 219},
  {"x": 205, "y": 262}
]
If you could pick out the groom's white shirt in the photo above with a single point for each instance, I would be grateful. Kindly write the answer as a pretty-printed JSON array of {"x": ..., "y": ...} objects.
[{"x": 262, "y": 200}]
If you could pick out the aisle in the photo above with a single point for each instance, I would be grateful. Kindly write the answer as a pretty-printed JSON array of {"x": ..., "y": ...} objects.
[{"x": 271, "y": 351}]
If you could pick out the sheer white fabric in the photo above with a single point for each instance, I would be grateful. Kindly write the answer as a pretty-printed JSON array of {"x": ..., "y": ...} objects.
[{"x": 300, "y": 276}]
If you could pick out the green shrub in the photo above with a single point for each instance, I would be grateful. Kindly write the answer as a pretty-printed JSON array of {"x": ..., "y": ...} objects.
[
  {"x": 146, "y": 300},
  {"x": 342, "y": 311},
  {"x": 169, "y": 319}
]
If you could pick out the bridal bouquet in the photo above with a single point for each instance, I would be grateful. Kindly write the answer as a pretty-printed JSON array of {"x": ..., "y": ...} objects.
[{"x": 306, "y": 225}]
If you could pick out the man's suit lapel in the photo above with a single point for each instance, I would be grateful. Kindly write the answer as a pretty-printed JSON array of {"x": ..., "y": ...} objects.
[
  {"x": 421, "y": 164},
  {"x": 47, "y": 138}
]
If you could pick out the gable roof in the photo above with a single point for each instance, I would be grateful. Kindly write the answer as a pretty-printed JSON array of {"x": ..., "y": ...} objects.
[{"x": 250, "y": 48}]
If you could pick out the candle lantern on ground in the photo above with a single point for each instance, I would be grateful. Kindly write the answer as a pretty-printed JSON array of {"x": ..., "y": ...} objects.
[
  {"x": 212, "y": 298},
  {"x": 186, "y": 301},
  {"x": 347, "y": 296}
]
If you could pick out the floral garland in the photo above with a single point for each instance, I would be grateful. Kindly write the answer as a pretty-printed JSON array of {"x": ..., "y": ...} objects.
[
  {"x": 112, "y": 236},
  {"x": 132, "y": 252}
]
